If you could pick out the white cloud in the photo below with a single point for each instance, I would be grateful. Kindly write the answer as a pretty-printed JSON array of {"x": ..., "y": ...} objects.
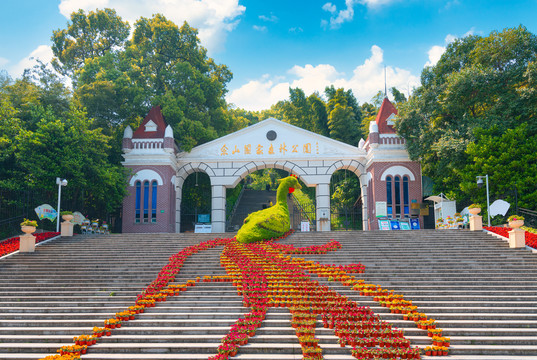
[
  {"x": 375, "y": 3},
  {"x": 337, "y": 18},
  {"x": 260, "y": 28},
  {"x": 331, "y": 8},
  {"x": 3, "y": 62},
  {"x": 341, "y": 16},
  {"x": 213, "y": 18},
  {"x": 42, "y": 52},
  {"x": 271, "y": 18},
  {"x": 366, "y": 80},
  {"x": 296, "y": 30},
  {"x": 435, "y": 53}
]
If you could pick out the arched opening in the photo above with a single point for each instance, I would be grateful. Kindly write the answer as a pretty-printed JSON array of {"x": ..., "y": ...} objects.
[
  {"x": 196, "y": 201},
  {"x": 345, "y": 201},
  {"x": 257, "y": 191}
]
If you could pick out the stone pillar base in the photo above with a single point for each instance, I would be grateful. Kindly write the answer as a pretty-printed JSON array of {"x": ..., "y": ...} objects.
[
  {"x": 476, "y": 223},
  {"x": 67, "y": 228},
  {"x": 27, "y": 243},
  {"x": 517, "y": 238}
]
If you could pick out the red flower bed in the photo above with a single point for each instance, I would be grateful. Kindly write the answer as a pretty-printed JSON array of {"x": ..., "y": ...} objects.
[
  {"x": 531, "y": 238},
  {"x": 12, "y": 244}
]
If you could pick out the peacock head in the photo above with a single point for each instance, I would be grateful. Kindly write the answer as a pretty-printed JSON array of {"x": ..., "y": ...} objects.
[{"x": 290, "y": 182}]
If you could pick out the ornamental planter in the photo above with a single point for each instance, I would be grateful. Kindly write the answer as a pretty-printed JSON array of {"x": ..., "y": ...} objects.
[
  {"x": 515, "y": 224},
  {"x": 27, "y": 241},
  {"x": 67, "y": 225},
  {"x": 474, "y": 211}
]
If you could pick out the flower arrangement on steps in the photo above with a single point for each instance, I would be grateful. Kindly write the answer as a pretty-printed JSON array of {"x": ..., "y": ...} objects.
[{"x": 266, "y": 276}]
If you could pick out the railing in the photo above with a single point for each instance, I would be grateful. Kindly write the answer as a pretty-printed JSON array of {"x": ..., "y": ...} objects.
[
  {"x": 234, "y": 208},
  {"x": 309, "y": 215},
  {"x": 530, "y": 216}
]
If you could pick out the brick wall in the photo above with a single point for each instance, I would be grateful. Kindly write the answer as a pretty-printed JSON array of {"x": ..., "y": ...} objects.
[
  {"x": 165, "y": 221},
  {"x": 377, "y": 187}
]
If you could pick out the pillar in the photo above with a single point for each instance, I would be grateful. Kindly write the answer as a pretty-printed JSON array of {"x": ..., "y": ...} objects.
[
  {"x": 517, "y": 238},
  {"x": 218, "y": 212},
  {"x": 365, "y": 209},
  {"x": 27, "y": 243},
  {"x": 323, "y": 207},
  {"x": 178, "y": 196},
  {"x": 476, "y": 223}
]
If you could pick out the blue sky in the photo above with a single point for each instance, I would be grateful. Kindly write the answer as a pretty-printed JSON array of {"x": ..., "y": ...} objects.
[{"x": 272, "y": 45}]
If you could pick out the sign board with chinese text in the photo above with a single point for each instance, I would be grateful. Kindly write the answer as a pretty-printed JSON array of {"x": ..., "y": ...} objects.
[
  {"x": 381, "y": 209},
  {"x": 46, "y": 211},
  {"x": 203, "y": 228},
  {"x": 272, "y": 138},
  {"x": 305, "y": 226}
]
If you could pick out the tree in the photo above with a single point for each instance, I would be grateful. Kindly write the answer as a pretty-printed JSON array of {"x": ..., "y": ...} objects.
[
  {"x": 44, "y": 136},
  {"x": 341, "y": 118},
  {"x": 479, "y": 82},
  {"x": 118, "y": 79},
  {"x": 86, "y": 37},
  {"x": 508, "y": 159}
]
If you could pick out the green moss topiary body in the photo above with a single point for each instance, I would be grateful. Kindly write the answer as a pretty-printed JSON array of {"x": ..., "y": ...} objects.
[{"x": 271, "y": 222}]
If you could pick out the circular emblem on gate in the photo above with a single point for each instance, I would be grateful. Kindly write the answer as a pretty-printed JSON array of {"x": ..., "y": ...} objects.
[{"x": 271, "y": 135}]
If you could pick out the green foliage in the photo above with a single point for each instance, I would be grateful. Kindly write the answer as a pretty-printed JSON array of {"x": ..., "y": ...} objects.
[
  {"x": 44, "y": 136},
  {"x": 27, "y": 222},
  {"x": 345, "y": 189},
  {"x": 118, "y": 79},
  {"x": 508, "y": 159},
  {"x": 478, "y": 83}
]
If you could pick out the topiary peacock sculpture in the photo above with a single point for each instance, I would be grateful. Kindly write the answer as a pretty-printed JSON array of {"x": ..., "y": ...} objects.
[{"x": 273, "y": 221}]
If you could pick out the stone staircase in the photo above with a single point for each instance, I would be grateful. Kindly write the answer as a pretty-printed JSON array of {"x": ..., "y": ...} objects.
[
  {"x": 483, "y": 294},
  {"x": 251, "y": 201}
]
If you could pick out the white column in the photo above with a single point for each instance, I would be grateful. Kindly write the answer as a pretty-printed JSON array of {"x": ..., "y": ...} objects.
[
  {"x": 218, "y": 212},
  {"x": 323, "y": 207},
  {"x": 365, "y": 214},
  {"x": 178, "y": 197}
]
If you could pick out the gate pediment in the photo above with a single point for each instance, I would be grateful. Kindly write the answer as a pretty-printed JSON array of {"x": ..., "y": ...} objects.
[{"x": 272, "y": 139}]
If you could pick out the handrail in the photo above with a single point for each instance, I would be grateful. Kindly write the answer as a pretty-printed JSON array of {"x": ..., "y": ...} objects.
[
  {"x": 234, "y": 209},
  {"x": 299, "y": 206},
  {"x": 531, "y": 212}
]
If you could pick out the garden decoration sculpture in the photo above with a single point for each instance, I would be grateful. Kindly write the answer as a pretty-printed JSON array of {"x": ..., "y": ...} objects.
[{"x": 271, "y": 222}]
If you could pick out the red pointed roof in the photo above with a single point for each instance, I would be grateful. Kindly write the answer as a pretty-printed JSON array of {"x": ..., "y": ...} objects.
[
  {"x": 386, "y": 110},
  {"x": 154, "y": 115}
]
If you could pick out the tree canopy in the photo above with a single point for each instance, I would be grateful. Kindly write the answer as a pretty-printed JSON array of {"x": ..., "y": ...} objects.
[{"x": 479, "y": 84}]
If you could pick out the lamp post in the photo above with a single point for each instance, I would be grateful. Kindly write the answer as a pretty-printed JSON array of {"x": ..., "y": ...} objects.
[
  {"x": 479, "y": 185},
  {"x": 60, "y": 182}
]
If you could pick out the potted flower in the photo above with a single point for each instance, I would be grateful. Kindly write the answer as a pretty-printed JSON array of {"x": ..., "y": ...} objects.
[
  {"x": 474, "y": 209},
  {"x": 515, "y": 221},
  {"x": 67, "y": 215},
  {"x": 28, "y": 226}
]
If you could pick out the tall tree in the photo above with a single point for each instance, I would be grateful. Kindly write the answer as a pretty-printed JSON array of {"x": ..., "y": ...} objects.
[
  {"x": 479, "y": 82},
  {"x": 87, "y": 36}
]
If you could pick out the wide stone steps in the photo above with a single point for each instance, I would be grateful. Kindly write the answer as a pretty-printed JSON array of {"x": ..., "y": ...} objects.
[{"x": 483, "y": 294}]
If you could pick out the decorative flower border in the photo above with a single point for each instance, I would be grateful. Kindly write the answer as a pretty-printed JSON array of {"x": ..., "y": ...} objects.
[
  {"x": 11, "y": 245},
  {"x": 266, "y": 276},
  {"x": 531, "y": 238}
]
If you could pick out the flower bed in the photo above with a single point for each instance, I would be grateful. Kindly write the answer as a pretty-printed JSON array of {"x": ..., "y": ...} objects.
[
  {"x": 531, "y": 238},
  {"x": 266, "y": 276},
  {"x": 12, "y": 244}
]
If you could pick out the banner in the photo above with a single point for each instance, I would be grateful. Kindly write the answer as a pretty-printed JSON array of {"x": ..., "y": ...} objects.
[
  {"x": 46, "y": 211},
  {"x": 78, "y": 218}
]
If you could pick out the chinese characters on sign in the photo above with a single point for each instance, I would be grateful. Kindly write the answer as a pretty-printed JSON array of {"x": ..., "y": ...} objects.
[{"x": 259, "y": 149}]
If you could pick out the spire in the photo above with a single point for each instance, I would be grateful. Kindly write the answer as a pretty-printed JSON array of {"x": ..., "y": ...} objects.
[{"x": 385, "y": 83}]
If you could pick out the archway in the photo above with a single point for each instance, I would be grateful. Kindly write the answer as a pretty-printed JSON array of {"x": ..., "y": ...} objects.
[
  {"x": 345, "y": 201},
  {"x": 196, "y": 201}
]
